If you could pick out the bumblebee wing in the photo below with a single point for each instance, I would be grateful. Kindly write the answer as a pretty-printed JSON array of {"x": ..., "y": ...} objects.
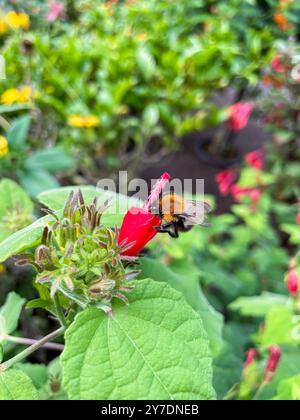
[{"x": 196, "y": 212}]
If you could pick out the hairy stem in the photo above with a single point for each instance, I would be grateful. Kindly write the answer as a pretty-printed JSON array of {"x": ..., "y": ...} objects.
[
  {"x": 30, "y": 342},
  {"x": 36, "y": 346}
]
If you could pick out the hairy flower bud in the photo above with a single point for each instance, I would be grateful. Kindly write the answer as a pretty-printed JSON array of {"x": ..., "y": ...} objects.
[{"x": 272, "y": 363}]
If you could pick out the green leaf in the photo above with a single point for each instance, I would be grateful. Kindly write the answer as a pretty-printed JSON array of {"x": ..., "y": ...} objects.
[
  {"x": 289, "y": 390},
  {"x": 15, "y": 385},
  {"x": 258, "y": 306},
  {"x": 119, "y": 204},
  {"x": 189, "y": 286},
  {"x": 24, "y": 239},
  {"x": 16, "y": 208},
  {"x": 10, "y": 313},
  {"x": 155, "y": 348},
  {"x": 281, "y": 327},
  {"x": 151, "y": 116},
  {"x": 37, "y": 181},
  {"x": 18, "y": 133},
  {"x": 5, "y": 109},
  {"x": 37, "y": 373},
  {"x": 52, "y": 160},
  {"x": 146, "y": 63}
]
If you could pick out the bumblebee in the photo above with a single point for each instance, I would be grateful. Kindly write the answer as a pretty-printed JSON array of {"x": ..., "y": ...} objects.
[{"x": 180, "y": 215}]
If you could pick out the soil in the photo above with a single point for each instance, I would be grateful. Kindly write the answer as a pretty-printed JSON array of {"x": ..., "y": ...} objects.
[{"x": 185, "y": 164}]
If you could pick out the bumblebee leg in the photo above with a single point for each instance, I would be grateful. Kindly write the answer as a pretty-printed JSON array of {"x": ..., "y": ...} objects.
[
  {"x": 175, "y": 233},
  {"x": 170, "y": 228},
  {"x": 164, "y": 228}
]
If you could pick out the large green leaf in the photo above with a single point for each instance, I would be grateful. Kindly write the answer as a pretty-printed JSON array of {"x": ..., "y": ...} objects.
[
  {"x": 23, "y": 239},
  {"x": 9, "y": 313},
  {"x": 15, "y": 385},
  {"x": 16, "y": 208},
  {"x": 55, "y": 199},
  {"x": 155, "y": 348},
  {"x": 188, "y": 285}
]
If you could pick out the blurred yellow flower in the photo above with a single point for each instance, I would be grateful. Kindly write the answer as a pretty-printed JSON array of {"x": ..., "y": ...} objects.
[
  {"x": 3, "y": 146},
  {"x": 20, "y": 95},
  {"x": 142, "y": 36},
  {"x": 18, "y": 20},
  {"x": 3, "y": 26},
  {"x": 83, "y": 122},
  {"x": 2, "y": 269}
]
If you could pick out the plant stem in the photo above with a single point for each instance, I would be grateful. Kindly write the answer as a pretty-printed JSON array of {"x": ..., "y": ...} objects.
[
  {"x": 30, "y": 342},
  {"x": 259, "y": 391},
  {"x": 36, "y": 346},
  {"x": 59, "y": 312}
]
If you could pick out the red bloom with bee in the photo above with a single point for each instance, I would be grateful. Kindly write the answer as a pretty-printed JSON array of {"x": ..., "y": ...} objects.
[{"x": 168, "y": 213}]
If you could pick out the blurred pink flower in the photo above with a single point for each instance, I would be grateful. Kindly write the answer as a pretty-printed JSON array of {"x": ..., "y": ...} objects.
[
  {"x": 251, "y": 355},
  {"x": 239, "y": 115},
  {"x": 277, "y": 65},
  {"x": 55, "y": 12},
  {"x": 273, "y": 362},
  {"x": 239, "y": 193},
  {"x": 256, "y": 159},
  {"x": 225, "y": 181},
  {"x": 293, "y": 282}
]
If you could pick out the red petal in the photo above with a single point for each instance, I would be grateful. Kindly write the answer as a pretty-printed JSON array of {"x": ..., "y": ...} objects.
[{"x": 138, "y": 227}]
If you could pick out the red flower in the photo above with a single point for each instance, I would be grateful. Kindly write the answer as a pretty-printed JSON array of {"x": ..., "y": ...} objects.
[
  {"x": 273, "y": 362},
  {"x": 251, "y": 355},
  {"x": 298, "y": 219},
  {"x": 293, "y": 282},
  {"x": 239, "y": 115},
  {"x": 277, "y": 64},
  {"x": 239, "y": 193},
  {"x": 256, "y": 159},
  {"x": 138, "y": 227},
  {"x": 226, "y": 180}
]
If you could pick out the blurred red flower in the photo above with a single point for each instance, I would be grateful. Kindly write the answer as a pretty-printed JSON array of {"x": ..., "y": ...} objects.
[
  {"x": 225, "y": 181},
  {"x": 240, "y": 192},
  {"x": 239, "y": 115},
  {"x": 272, "y": 363},
  {"x": 251, "y": 355},
  {"x": 139, "y": 224},
  {"x": 277, "y": 64},
  {"x": 256, "y": 159},
  {"x": 293, "y": 282}
]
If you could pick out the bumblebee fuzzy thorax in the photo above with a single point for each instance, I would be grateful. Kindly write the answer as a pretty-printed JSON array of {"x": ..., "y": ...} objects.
[{"x": 170, "y": 206}]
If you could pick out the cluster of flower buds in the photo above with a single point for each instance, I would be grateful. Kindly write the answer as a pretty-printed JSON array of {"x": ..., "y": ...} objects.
[
  {"x": 272, "y": 364},
  {"x": 80, "y": 258}
]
